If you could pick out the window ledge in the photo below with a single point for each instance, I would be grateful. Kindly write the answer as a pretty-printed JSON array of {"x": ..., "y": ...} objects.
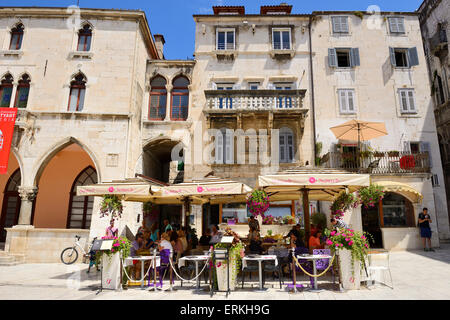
[
  {"x": 81, "y": 55},
  {"x": 167, "y": 122},
  {"x": 11, "y": 53},
  {"x": 409, "y": 115},
  {"x": 281, "y": 53},
  {"x": 225, "y": 53}
]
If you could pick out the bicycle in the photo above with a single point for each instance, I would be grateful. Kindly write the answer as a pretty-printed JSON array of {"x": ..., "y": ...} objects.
[{"x": 70, "y": 255}]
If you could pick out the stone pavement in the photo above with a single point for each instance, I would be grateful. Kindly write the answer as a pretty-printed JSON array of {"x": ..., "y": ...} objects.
[{"x": 416, "y": 275}]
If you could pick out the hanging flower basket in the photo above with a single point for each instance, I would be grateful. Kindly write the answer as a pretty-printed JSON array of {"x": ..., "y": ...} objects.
[
  {"x": 371, "y": 195},
  {"x": 149, "y": 210},
  {"x": 342, "y": 203},
  {"x": 111, "y": 204},
  {"x": 258, "y": 203}
]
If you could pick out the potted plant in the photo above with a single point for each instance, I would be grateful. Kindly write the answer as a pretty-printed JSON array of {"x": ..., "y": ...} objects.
[
  {"x": 319, "y": 219},
  {"x": 378, "y": 154},
  {"x": 258, "y": 203},
  {"x": 365, "y": 154},
  {"x": 236, "y": 253},
  {"x": 269, "y": 219},
  {"x": 342, "y": 203},
  {"x": 351, "y": 247},
  {"x": 371, "y": 195},
  {"x": 393, "y": 153}
]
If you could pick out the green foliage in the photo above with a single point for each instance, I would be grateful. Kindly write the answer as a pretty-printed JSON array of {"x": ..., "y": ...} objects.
[
  {"x": 319, "y": 219},
  {"x": 359, "y": 14},
  {"x": 121, "y": 244},
  {"x": 371, "y": 195},
  {"x": 111, "y": 204},
  {"x": 342, "y": 203}
]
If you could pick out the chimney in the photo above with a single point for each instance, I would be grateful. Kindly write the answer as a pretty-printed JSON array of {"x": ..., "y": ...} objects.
[{"x": 159, "y": 43}]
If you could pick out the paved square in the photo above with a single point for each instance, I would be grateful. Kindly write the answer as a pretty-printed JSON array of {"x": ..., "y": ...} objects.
[{"x": 416, "y": 275}]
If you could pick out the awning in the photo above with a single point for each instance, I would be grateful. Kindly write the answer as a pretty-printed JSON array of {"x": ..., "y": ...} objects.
[
  {"x": 321, "y": 184},
  {"x": 402, "y": 188}
]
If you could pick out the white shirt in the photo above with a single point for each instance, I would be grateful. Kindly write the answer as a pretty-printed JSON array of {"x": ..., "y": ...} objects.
[{"x": 166, "y": 245}]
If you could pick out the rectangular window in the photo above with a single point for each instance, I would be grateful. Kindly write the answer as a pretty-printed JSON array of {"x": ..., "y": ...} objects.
[
  {"x": 84, "y": 43},
  {"x": 225, "y": 39},
  {"x": 403, "y": 57},
  {"x": 340, "y": 24},
  {"x": 5, "y": 96},
  {"x": 225, "y": 103},
  {"x": 343, "y": 57},
  {"x": 281, "y": 39},
  {"x": 396, "y": 25},
  {"x": 76, "y": 100},
  {"x": 407, "y": 101},
  {"x": 22, "y": 96},
  {"x": 435, "y": 180},
  {"x": 347, "y": 101},
  {"x": 284, "y": 102},
  {"x": 253, "y": 85}
]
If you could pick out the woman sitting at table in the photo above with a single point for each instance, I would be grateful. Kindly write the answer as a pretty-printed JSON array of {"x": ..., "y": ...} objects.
[
  {"x": 154, "y": 232},
  {"x": 255, "y": 242},
  {"x": 184, "y": 242},
  {"x": 165, "y": 242},
  {"x": 177, "y": 245},
  {"x": 136, "y": 245},
  {"x": 314, "y": 241}
]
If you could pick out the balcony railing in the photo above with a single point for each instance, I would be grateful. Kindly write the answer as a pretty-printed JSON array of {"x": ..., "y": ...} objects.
[
  {"x": 378, "y": 162},
  {"x": 254, "y": 99}
]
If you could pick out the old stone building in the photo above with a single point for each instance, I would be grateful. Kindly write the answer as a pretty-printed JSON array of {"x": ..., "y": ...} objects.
[
  {"x": 372, "y": 68},
  {"x": 79, "y": 81},
  {"x": 434, "y": 22}
]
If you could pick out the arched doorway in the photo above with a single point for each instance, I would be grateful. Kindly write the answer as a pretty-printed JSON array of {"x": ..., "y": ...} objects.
[
  {"x": 393, "y": 211},
  {"x": 80, "y": 207},
  {"x": 55, "y": 181},
  {"x": 11, "y": 204}
]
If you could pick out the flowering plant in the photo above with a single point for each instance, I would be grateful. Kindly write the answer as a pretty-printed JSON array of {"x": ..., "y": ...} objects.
[
  {"x": 111, "y": 204},
  {"x": 121, "y": 244},
  {"x": 369, "y": 196},
  {"x": 258, "y": 203},
  {"x": 356, "y": 242},
  {"x": 342, "y": 203},
  {"x": 269, "y": 219},
  {"x": 289, "y": 219}
]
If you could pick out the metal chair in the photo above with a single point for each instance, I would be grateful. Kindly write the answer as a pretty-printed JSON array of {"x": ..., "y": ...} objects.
[
  {"x": 269, "y": 266},
  {"x": 252, "y": 266},
  {"x": 379, "y": 261},
  {"x": 189, "y": 268}
]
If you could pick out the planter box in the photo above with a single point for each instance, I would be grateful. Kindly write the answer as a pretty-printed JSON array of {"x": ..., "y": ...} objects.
[
  {"x": 222, "y": 275},
  {"x": 111, "y": 271},
  {"x": 350, "y": 280}
]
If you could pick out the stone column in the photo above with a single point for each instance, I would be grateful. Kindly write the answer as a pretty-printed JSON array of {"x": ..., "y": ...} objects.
[
  {"x": 27, "y": 194},
  {"x": 168, "y": 102}
]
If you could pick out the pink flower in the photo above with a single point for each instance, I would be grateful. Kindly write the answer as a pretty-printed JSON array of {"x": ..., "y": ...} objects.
[
  {"x": 329, "y": 242},
  {"x": 350, "y": 243},
  {"x": 333, "y": 233}
]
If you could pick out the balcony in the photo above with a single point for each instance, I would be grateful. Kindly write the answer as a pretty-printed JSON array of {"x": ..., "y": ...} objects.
[
  {"x": 439, "y": 43},
  {"x": 378, "y": 162},
  {"x": 230, "y": 101}
]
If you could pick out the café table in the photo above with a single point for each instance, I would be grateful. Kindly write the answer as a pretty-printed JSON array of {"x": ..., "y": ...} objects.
[
  {"x": 260, "y": 259},
  {"x": 196, "y": 260},
  {"x": 314, "y": 258},
  {"x": 142, "y": 259}
]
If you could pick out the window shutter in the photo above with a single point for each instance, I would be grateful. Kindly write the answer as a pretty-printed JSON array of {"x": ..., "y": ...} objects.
[
  {"x": 350, "y": 101},
  {"x": 332, "y": 57},
  {"x": 214, "y": 86},
  {"x": 336, "y": 24},
  {"x": 401, "y": 25},
  {"x": 407, "y": 146},
  {"x": 393, "y": 25},
  {"x": 392, "y": 54},
  {"x": 290, "y": 147},
  {"x": 403, "y": 100},
  {"x": 282, "y": 148},
  {"x": 342, "y": 101},
  {"x": 425, "y": 147},
  {"x": 344, "y": 24},
  {"x": 411, "y": 102},
  {"x": 229, "y": 147},
  {"x": 219, "y": 147},
  {"x": 413, "y": 57},
  {"x": 354, "y": 57}
]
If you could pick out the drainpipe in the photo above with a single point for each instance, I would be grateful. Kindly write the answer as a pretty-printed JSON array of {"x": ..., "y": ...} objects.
[{"x": 312, "y": 86}]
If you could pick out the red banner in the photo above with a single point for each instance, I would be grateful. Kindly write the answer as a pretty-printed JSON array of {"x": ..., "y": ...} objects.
[{"x": 7, "y": 121}]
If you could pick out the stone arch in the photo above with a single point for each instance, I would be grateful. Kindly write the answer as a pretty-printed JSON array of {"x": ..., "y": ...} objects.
[
  {"x": 157, "y": 74},
  {"x": 180, "y": 73},
  {"x": 45, "y": 159},
  {"x": 87, "y": 22},
  {"x": 20, "y": 162},
  {"x": 76, "y": 73}
]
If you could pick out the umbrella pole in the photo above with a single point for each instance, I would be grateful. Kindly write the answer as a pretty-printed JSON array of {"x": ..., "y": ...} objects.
[{"x": 305, "y": 198}]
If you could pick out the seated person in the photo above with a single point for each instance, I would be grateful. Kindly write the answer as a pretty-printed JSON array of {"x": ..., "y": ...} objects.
[
  {"x": 295, "y": 231},
  {"x": 136, "y": 245},
  {"x": 165, "y": 242},
  {"x": 205, "y": 239},
  {"x": 253, "y": 233},
  {"x": 314, "y": 241},
  {"x": 177, "y": 245},
  {"x": 255, "y": 244}
]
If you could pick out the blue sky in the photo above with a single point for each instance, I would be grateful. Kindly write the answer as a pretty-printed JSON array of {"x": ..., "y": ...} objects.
[{"x": 173, "y": 18}]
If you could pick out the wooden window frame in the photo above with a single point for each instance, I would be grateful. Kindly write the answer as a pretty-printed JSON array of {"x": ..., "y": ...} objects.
[
  {"x": 397, "y": 24},
  {"x": 281, "y": 30},
  {"x": 86, "y": 200},
  {"x": 16, "y": 31},
  {"x": 226, "y": 30},
  {"x": 340, "y": 32},
  {"x": 179, "y": 94},
  {"x": 85, "y": 34},
  {"x": 408, "y": 102},
  {"x": 157, "y": 94},
  {"x": 347, "y": 101},
  {"x": 22, "y": 84},
  {"x": 80, "y": 85}
]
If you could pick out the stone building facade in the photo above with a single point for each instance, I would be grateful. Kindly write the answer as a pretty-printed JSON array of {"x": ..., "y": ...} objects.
[{"x": 434, "y": 23}]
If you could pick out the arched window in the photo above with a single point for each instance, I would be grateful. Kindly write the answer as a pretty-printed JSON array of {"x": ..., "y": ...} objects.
[
  {"x": 80, "y": 207},
  {"x": 224, "y": 146},
  {"x": 16, "y": 37},
  {"x": 77, "y": 93},
  {"x": 158, "y": 99},
  {"x": 23, "y": 90},
  {"x": 6, "y": 88},
  {"x": 180, "y": 99},
  {"x": 286, "y": 145},
  {"x": 84, "y": 38},
  {"x": 397, "y": 211},
  {"x": 11, "y": 204}
]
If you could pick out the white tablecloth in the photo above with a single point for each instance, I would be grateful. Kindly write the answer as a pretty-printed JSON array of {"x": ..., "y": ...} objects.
[
  {"x": 183, "y": 260},
  {"x": 129, "y": 260},
  {"x": 314, "y": 256},
  {"x": 258, "y": 258}
]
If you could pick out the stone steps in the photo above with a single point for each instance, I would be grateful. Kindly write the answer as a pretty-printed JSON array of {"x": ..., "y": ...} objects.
[{"x": 7, "y": 259}]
